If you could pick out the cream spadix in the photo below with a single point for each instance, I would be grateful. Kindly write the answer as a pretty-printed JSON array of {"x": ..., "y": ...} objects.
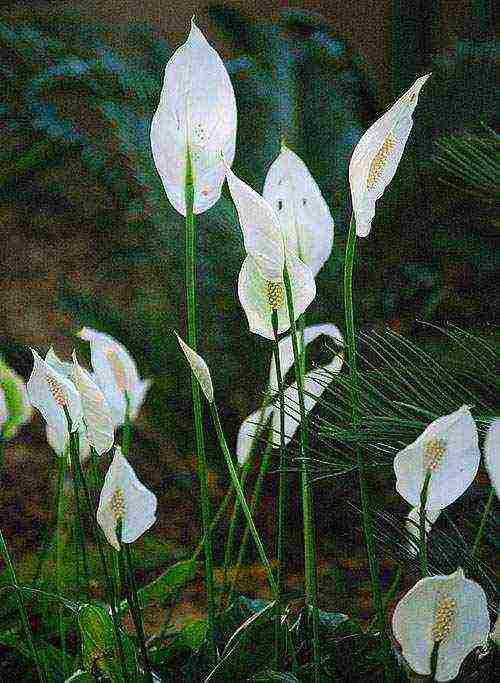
[
  {"x": 448, "y": 449},
  {"x": 124, "y": 499},
  {"x": 376, "y": 157},
  {"x": 304, "y": 216},
  {"x": 116, "y": 374},
  {"x": 197, "y": 110},
  {"x": 199, "y": 368},
  {"x": 450, "y": 611}
]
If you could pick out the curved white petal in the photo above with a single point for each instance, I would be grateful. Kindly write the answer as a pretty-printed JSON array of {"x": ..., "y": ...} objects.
[
  {"x": 42, "y": 395},
  {"x": 139, "y": 503},
  {"x": 252, "y": 291},
  {"x": 413, "y": 526},
  {"x": 64, "y": 368},
  {"x": 377, "y": 155},
  {"x": 455, "y": 471},
  {"x": 304, "y": 216},
  {"x": 249, "y": 431},
  {"x": 197, "y": 107},
  {"x": 199, "y": 368},
  {"x": 261, "y": 229},
  {"x": 311, "y": 333},
  {"x": 116, "y": 373},
  {"x": 96, "y": 412},
  {"x": 58, "y": 440},
  {"x": 4, "y": 414},
  {"x": 492, "y": 454}
]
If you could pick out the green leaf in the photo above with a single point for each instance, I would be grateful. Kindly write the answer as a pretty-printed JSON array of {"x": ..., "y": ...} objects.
[
  {"x": 174, "y": 578},
  {"x": 270, "y": 675},
  {"x": 330, "y": 621}
]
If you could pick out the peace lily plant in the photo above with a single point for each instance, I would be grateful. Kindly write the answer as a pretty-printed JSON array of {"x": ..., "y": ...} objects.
[{"x": 89, "y": 414}]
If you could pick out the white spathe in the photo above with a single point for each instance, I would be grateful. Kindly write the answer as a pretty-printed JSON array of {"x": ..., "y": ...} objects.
[
  {"x": 116, "y": 373},
  {"x": 197, "y": 109},
  {"x": 253, "y": 295},
  {"x": 50, "y": 392},
  {"x": 492, "y": 454},
  {"x": 96, "y": 412},
  {"x": 413, "y": 526},
  {"x": 305, "y": 219},
  {"x": 199, "y": 368},
  {"x": 123, "y": 498},
  {"x": 377, "y": 155},
  {"x": 449, "y": 447},
  {"x": 448, "y": 609}
]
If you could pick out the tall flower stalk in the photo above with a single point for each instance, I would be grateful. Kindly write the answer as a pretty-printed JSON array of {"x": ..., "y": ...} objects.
[{"x": 307, "y": 495}]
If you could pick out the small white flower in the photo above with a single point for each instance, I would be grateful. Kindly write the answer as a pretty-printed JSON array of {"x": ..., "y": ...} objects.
[
  {"x": 492, "y": 454},
  {"x": 116, "y": 373},
  {"x": 197, "y": 109},
  {"x": 448, "y": 448},
  {"x": 315, "y": 383},
  {"x": 96, "y": 412},
  {"x": 449, "y": 610},
  {"x": 199, "y": 368},
  {"x": 15, "y": 406},
  {"x": 124, "y": 498},
  {"x": 304, "y": 216},
  {"x": 377, "y": 155},
  {"x": 51, "y": 392}
]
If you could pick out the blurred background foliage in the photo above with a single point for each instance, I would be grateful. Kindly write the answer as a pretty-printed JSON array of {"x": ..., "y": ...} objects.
[{"x": 89, "y": 238}]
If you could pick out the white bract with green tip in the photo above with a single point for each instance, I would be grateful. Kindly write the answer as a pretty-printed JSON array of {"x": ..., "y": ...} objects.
[
  {"x": 448, "y": 449},
  {"x": 492, "y": 454},
  {"x": 116, "y": 374},
  {"x": 197, "y": 109},
  {"x": 199, "y": 368},
  {"x": 96, "y": 413},
  {"x": 15, "y": 406},
  {"x": 446, "y": 610},
  {"x": 377, "y": 155},
  {"x": 304, "y": 216},
  {"x": 124, "y": 499}
]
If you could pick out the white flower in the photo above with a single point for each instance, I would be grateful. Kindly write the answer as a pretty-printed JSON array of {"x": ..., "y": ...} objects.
[
  {"x": 124, "y": 498},
  {"x": 58, "y": 440},
  {"x": 377, "y": 155},
  {"x": 448, "y": 448},
  {"x": 197, "y": 109},
  {"x": 261, "y": 287},
  {"x": 51, "y": 392},
  {"x": 492, "y": 454},
  {"x": 315, "y": 383},
  {"x": 15, "y": 407},
  {"x": 116, "y": 373},
  {"x": 199, "y": 368},
  {"x": 304, "y": 216},
  {"x": 96, "y": 412},
  {"x": 413, "y": 526},
  {"x": 449, "y": 610}
]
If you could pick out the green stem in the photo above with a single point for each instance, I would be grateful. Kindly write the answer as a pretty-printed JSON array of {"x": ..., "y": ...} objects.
[
  {"x": 2, "y": 449},
  {"x": 241, "y": 496},
  {"x": 254, "y": 504},
  {"x": 222, "y": 508},
  {"x": 424, "y": 567},
  {"x": 127, "y": 427},
  {"x": 195, "y": 390},
  {"x": 233, "y": 526},
  {"x": 22, "y": 610},
  {"x": 307, "y": 494},
  {"x": 434, "y": 660},
  {"x": 484, "y": 520},
  {"x": 282, "y": 495},
  {"x": 350, "y": 257},
  {"x": 110, "y": 588},
  {"x": 59, "y": 552},
  {"x": 136, "y": 610}
]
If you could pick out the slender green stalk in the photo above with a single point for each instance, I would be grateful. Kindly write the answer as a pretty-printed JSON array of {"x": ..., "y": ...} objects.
[
  {"x": 307, "y": 494},
  {"x": 110, "y": 587},
  {"x": 59, "y": 551},
  {"x": 424, "y": 566},
  {"x": 434, "y": 660},
  {"x": 2, "y": 448},
  {"x": 484, "y": 520},
  {"x": 254, "y": 504},
  {"x": 22, "y": 610},
  {"x": 135, "y": 608},
  {"x": 232, "y": 528},
  {"x": 241, "y": 496},
  {"x": 282, "y": 495},
  {"x": 127, "y": 427},
  {"x": 350, "y": 257},
  {"x": 195, "y": 390},
  {"x": 222, "y": 508}
]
